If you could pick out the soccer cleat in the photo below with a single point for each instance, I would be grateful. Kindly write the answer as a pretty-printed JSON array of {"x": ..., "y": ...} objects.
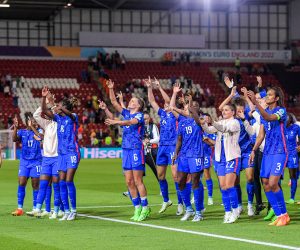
[
  {"x": 60, "y": 213},
  {"x": 53, "y": 216},
  {"x": 282, "y": 221},
  {"x": 31, "y": 213},
  {"x": 210, "y": 201},
  {"x": 126, "y": 194},
  {"x": 164, "y": 207},
  {"x": 187, "y": 215},
  {"x": 65, "y": 217},
  {"x": 233, "y": 218},
  {"x": 250, "y": 210},
  {"x": 226, "y": 217},
  {"x": 18, "y": 212},
  {"x": 270, "y": 215},
  {"x": 197, "y": 217},
  {"x": 72, "y": 216},
  {"x": 290, "y": 201},
  {"x": 240, "y": 210},
  {"x": 275, "y": 220},
  {"x": 137, "y": 213},
  {"x": 144, "y": 214},
  {"x": 45, "y": 213},
  {"x": 288, "y": 219},
  {"x": 179, "y": 210}
]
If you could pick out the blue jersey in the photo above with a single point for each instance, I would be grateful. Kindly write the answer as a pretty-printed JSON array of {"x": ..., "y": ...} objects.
[
  {"x": 167, "y": 128},
  {"x": 67, "y": 130},
  {"x": 275, "y": 132},
  {"x": 244, "y": 140},
  {"x": 291, "y": 134},
  {"x": 31, "y": 148},
  {"x": 207, "y": 149},
  {"x": 133, "y": 135},
  {"x": 192, "y": 138}
]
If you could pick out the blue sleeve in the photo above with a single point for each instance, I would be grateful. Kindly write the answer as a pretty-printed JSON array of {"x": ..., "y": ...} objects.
[
  {"x": 19, "y": 133},
  {"x": 139, "y": 117},
  {"x": 56, "y": 117},
  {"x": 263, "y": 93},
  {"x": 281, "y": 114},
  {"x": 160, "y": 112},
  {"x": 125, "y": 112},
  {"x": 212, "y": 136}
]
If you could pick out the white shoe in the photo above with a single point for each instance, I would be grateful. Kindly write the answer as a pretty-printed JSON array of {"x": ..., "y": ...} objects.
[
  {"x": 60, "y": 213},
  {"x": 210, "y": 201},
  {"x": 65, "y": 217},
  {"x": 187, "y": 215},
  {"x": 250, "y": 210},
  {"x": 31, "y": 213},
  {"x": 226, "y": 217},
  {"x": 240, "y": 210},
  {"x": 197, "y": 217},
  {"x": 53, "y": 216},
  {"x": 179, "y": 210},
  {"x": 233, "y": 218},
  {"x": 72, "y": 216},
  {"x": 164, "y": 207},
  {"x": 45, "y": 213}
]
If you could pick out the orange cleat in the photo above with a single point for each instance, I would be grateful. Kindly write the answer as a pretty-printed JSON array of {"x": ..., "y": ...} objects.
[
  {"x": 282, "y": 221},
  {"x": 274, "y": 223},
  {"x": 18, "y": 212},
  {"x": 288, "y": 219}
]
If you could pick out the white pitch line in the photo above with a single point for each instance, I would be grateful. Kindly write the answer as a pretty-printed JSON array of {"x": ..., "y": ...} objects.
[
  {"x": 111, "y": 206},
  {"x": 269, "y": 244}
]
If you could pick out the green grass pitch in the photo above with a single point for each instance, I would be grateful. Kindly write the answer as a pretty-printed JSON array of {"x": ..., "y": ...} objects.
[{"x": 101, "y": 183}]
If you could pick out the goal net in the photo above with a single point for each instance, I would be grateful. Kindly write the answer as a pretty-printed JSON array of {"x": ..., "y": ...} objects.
[{"x": 7, "y": 144}]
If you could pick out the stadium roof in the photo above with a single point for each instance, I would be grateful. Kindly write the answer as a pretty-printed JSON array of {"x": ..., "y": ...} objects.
[{"x": 43, "y": 9}]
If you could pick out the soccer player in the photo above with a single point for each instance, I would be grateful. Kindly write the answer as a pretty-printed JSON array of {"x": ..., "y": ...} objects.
[
  {"x": 30, "y": 159},
  {"x": 167, "y": 142},
  {"x": 293, "y": 132},
  {"x": 209, "y": 141},
  {"x": 273, "y": 129},
  {"x": 189, "y": 153},
  {"x": 49, "y": 170},
  {"x": 133, "y": 152},
  {"x": 68, "y": 150},
  {"x": 227, "y": 158}
]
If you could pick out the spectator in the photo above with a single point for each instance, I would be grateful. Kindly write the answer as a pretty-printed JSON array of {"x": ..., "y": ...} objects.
[
  {"x": 8, "y": 78},
  {"x": 22, "y": 80},
  {"x": 89, "y": 102},
  {"x": 85, "y": 116},
  {"x": 92, "y": 116},
  {"x": 6, "y": 90},
  {"x": 15, "y": 99},
  {"x": 80, "y": 133},
  {"x": 92, "y": 136},
  {"x": 95, "y": 103},
  {"x": 14, "y": 85},
  {"x": 123, "y": 62},
  {"x": 108, "y": 141},
  {"x": 237, "y": 64}
]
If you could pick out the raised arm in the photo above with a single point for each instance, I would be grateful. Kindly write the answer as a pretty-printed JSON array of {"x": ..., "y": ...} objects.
[
  {"x": 112, "y": 96},
  {"x": 37, "y": 133},
  {"x": 232, "y": 126},
  {"x": 121, "y": 100},
  {"x": 133, "y": 121},
  {"x": 45, "y": 93},
  {"x": 259, "y": 139},
  {"x": 228, "y": 99},
  {"x": 176, "y": 90},
  {"x": 151, "y": 96},
  {"x": 103, "y": 106},
  {"x": 251, "y": 105},
  {"x": 268, "y": 117},
  {"x": 163, "y": 93},
  {"x": 40, "y": 120}
]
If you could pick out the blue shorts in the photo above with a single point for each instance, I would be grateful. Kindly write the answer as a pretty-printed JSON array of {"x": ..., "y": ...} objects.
[
  {"x": 273, "y": 165},
  {"x": 50, "y": 166},
  {"x": 133, "y": 159},
  {"x": 293, "y": 160},
  {"x": 245, "y": 161},
  {"x": 190, "y": 165},
  {"x": 64, "y": 162},
  {"x": 207, "y": 162},
  {"x": 30, "y": 168},
  {"x": 165, "y": 155},
  {"x": 228, "y": 167}
]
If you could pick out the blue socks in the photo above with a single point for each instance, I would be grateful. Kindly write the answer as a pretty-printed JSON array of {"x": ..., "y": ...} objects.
[
  {"x": 280, "y": 201},
  {"x": 34, "y": 197},
  {"x": 250, "y": 192},
  {"x": 72, "y": 194},
  {"x": 233, "y": 197},
  {"x": 293, "y": 188},
  {"x": 226, "y": 200},
  {"x": 239, "y": 193},
  {"x": 64, "y": 195},
  {"x": 179, "y": 198},
  {"x": 164, "y": 189},
  {"x": 21, "y": 196},
  {"x": 136, "y": 201},
  {"x": 57, "y": 200},
  {"x": 186, "y": 196},
  {"x": 188, "y": 187},
  {"x": 210, "y": 187},
  {"x": 41, "y": 194},
  {"x": 144, "y": 201},
  {"x": 197, "y": 199},
  {"x": 273, "y": 201}
]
